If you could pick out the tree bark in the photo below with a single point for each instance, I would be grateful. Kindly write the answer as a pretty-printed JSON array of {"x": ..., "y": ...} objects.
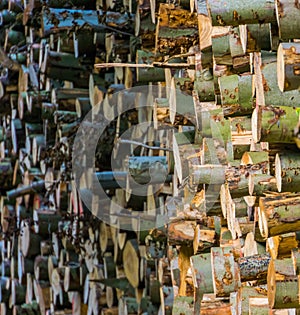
[
  {"x": 287, "y": 172},
  {"x": 232, "y": 13},
  {"x": 259, "y": 184},
  {"x": 280, "y": 246},
  {"x": 61, "y": 20},
  {"x": 202, "y": 273},
  {"x": 225, "y": 271},
  {"x": 254, "y": 267},
  {"x": 288, "y": 19},
  {"x": 33, "y": 188},
  {"x": 274, "y": 124},
  {"x": 171, "y": 34},
  {"x": 256, "y": 37},
  {"x": 144, "y": 74},
  {"x": 282, "y": 285},
  {"x": 236, "y": 94},
  {"x": 272, "y": 94},
  {"x": 288, "y": 63},
  {"x": 30, "y": 242},
  {"x": 278, "y": 214}
]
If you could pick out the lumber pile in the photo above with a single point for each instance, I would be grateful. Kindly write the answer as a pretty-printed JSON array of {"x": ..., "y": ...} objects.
[{"x": 201, "y": 215}]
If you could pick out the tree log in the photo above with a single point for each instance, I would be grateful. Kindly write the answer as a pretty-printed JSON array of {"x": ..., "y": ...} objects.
[
  {"x": 202, "y": 273},
  {"x": 274, "y": 124},
  {"x": 258, "y": 305},
  {"x": 288, "y": 19},
  {"x": 287, "y": 172},
  {"x": 235, "y": 177},
  {"x": 221, "y": 45},
  {"x": 280, "y": 246},
  {"x": 131, "y": 260},
  {"x": 288, "y": 63},
  {"x": 225, "y": 271},
  {"x": 236, "y": 94},
  {"x": 246, "y": 293},
  {"x": 224, "y": 13},
  {"x": 169, "y": 38},
  {"x": 254, "y": 267},
  {"x": 18, "y": 292},
  {"x": 144, "y": 74},
  {"x": 272, "y": 94},
  {"x": 213, "y": 305},
  {"x": 30, "y": 242},
  {"x": 296, "y": 260},
  {"x": 256, "y": 37},
  {"x": 282, "y": 285},
  {"x": 259, "y": 184},
  {"x": 41, "y": 268},
  {"x": 204, "y": 25},
  {"x": 61, "y": 20},
  {"x": 34, "y": 187},
  {"x": 278, "y": 214}
]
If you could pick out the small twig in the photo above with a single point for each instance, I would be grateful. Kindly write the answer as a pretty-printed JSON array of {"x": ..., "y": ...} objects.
[
  {"x": 179, "y": 56},
  {"x": 144, "y": 145},
  {"x": 104, "y": 26},
  {"x": 144, "y": 65},
  {"x": 121, "y": 64}
]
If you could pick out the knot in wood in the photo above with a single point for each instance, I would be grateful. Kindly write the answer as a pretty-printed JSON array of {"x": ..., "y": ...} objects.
[
  {"x": 227, "y": 276},
  {"x": 286, "y": 299}
]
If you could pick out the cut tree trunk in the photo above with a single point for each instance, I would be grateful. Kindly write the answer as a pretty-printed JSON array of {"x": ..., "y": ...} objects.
[
  {"x": 131, "y": 260},
  {"x": 256, "y": 37},
  {"x": 278, "y": 214},
  {"x": 254, "y": 267},
  {"x": 281, "y": 246},
  {"x": 175, "y": 35},
  {"x": 287, "y": 175},
  {"x": 202, "y": 273},
  {"x": 282, "y": 285},
  {"x": 288, "y": 66},
  {"x": 274, "y": 124},
  {"x": 148, "y": 74},
  {"x": 232, "y": 13},
  {"x": 272, "y": 94},
  {"x": 204, "y": 25},
  {"x": 225, "y": 271},
  {"x": 287, "y": 13},
  {"x": 259, "y": 184},
  {"x": 236, "y": 94},
  {"x": 62, "y": 20}
]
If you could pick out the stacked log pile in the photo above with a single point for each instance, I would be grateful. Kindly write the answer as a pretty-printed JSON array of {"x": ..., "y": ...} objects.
[{"x": 221, "y": 235}]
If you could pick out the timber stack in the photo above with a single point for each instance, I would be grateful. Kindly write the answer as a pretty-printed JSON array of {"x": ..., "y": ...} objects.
[{"x": 221, "y": 83}]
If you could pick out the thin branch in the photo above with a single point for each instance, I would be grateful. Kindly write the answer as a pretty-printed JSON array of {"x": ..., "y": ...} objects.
[
  {"x": 144, "y": 145},
  {"x": 104, "y": 26},
  {"x": 24, "y": 190},
  {"x": 144, "y": 65},
  {"x": 180, "y": 56}
]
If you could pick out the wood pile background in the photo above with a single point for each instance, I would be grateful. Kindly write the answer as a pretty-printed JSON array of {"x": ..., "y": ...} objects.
[{"x": 221, "y": 236}]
